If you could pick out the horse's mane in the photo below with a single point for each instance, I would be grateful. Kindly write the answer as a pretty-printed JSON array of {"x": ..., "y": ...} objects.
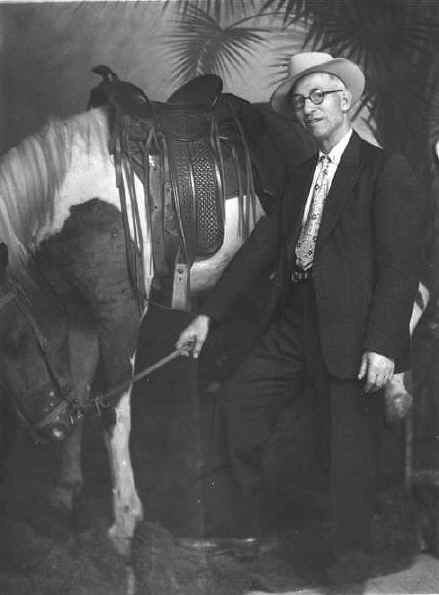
[{"x": 31, "y": 174}]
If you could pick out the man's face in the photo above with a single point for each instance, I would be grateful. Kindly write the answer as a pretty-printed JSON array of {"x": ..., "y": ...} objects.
[{"x": 326, "y": 121}]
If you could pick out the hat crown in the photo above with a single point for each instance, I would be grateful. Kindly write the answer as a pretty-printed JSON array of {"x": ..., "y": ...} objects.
[{"x": 305, "y": 60}]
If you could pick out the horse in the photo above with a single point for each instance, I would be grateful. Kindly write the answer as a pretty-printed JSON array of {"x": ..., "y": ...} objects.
[
  {"x": 83, "y": 262},
  {"x": 49, "y": 360},
  {"x": 71, "y": 300}
]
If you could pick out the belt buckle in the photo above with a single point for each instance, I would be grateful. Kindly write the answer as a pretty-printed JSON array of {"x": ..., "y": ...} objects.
[{"x": 298, "y": 275}]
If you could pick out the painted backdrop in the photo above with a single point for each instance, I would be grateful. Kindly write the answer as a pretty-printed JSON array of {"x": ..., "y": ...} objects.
[{"x": 48, "y": 51}]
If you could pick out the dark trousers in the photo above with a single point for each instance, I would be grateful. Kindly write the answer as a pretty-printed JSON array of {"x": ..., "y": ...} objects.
[{"x": 271, "y": 378}]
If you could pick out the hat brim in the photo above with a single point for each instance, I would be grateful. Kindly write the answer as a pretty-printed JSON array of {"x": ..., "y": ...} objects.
[{"x": 348, "y": 72}]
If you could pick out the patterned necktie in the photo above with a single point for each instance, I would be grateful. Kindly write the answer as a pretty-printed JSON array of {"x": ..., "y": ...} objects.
[{"x": 306, "y": 244}]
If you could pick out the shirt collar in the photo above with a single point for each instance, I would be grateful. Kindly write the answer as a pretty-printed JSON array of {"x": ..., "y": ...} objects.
[{"x": 337, "y": 151}]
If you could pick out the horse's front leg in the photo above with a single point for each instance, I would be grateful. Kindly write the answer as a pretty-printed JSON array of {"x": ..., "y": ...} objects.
[
  {"x": 84, "y": 355},
  {"x": 69, "y": 484},
  {"x": 127, "y": 507}
]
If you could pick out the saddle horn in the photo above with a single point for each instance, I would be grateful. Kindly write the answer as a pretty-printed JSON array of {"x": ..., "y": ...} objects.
[
  {"x": 121, "y": 95},
  {"x": 105, "y": 72}
]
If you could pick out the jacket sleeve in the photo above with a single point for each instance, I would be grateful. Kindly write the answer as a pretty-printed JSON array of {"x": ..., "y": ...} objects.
[
  {"x": 399, "y": 215},
  {"x": 254, "y": 258}
]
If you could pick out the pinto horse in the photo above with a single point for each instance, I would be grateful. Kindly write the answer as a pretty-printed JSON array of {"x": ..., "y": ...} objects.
[{"x": 69, "y": 301}]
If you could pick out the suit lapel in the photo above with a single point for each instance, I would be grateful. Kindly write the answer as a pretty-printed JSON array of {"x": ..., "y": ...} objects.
[{"x": 340, "y": 192}]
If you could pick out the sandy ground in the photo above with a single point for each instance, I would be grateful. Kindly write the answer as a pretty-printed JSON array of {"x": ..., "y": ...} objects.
[{"x": 45, "y": 551}]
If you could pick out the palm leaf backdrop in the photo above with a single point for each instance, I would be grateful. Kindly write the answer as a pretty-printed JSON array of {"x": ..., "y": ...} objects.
[
  {"x": 220, "y": 10},
  {"x": 200, "y": 44}
]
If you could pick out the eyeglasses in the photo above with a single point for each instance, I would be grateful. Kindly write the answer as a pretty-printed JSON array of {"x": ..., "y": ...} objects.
[{"x": 316, "y": 96}]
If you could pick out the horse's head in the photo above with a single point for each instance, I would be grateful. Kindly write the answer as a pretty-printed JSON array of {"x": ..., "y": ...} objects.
[{"x": 34, "y": 360}]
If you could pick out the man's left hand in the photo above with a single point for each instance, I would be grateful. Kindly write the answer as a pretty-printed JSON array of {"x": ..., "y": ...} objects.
[{"x": 376, "y": 369}]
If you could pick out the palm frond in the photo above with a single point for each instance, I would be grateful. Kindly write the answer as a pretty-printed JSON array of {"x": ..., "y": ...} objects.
[
  {"x": 282, "y": 48},
  {"x": 306, "y": 10},
  {"x": 220, "y": 10},
  {"x": 200, "y": 45}
]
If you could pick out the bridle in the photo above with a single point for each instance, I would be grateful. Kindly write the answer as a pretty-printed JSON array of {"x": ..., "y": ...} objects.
[{"x": 61, "y": 411}]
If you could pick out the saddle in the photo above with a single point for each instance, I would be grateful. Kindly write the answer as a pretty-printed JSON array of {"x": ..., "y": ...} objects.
[{"x": 191, "y": 154}]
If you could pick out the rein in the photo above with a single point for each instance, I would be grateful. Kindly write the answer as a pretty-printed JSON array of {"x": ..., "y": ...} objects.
[{"x": 104, "y": 400}]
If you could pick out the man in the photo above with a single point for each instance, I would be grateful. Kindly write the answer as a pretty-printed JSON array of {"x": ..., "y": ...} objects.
[{"x": 346, "y": 247}]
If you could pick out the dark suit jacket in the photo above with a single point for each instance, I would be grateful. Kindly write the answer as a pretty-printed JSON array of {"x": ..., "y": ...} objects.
[{"x": 368, "y": 257}]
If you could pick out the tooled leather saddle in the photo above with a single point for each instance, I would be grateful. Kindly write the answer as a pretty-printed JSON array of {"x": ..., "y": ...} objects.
[{"x": 190, "y": 154}]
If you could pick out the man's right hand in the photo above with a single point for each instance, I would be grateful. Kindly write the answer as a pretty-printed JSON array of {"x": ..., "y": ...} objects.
[{"x": 192, "y": 338}]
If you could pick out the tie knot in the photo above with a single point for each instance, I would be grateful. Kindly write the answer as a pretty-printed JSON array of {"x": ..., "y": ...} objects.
[{"x": 325, "y": 160}]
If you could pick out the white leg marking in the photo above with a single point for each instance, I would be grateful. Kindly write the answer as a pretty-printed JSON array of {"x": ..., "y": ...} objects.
[
  {"x": 127, "y": 507},
  {"x": 131, "y": 580}
]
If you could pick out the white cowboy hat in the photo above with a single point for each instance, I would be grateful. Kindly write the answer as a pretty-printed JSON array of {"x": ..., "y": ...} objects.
[{"x": 309, "y": 62}]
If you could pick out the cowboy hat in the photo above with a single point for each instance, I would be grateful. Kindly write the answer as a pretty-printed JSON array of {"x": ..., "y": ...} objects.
[{"x": 309, "y": 62}]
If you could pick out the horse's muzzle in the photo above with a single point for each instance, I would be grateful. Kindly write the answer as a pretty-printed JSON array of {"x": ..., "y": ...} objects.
[{"x": 49, "y": 414}]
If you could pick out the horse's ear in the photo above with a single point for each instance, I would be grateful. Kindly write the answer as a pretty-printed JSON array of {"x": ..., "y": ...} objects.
[{"x": 4, "y": 259}]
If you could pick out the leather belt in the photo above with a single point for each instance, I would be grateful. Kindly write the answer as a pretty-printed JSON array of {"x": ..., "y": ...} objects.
[{"x": 299, "y": 275}]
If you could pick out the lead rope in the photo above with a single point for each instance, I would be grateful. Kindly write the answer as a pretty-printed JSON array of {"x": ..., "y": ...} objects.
[{"x": 103, "y": 401}]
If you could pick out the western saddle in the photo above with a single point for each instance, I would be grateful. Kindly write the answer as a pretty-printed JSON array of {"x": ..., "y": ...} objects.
[{"x": 190, "y": 154}]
